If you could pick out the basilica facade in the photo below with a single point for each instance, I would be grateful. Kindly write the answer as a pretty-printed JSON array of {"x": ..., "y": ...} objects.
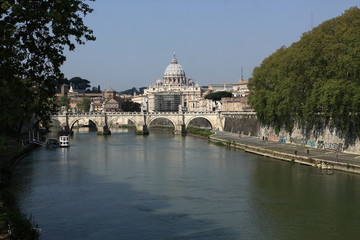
[{"x": 174, "y": 92}]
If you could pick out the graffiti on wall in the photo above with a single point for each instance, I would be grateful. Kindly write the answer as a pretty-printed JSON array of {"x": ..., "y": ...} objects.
[
  {"x": 311, "y": 144},
  {"x": 302, "y": 142},
  {"x": 273, "y": 138},
  {"x": 333, "y": 146},
  {"x": 330, "y": 146}
]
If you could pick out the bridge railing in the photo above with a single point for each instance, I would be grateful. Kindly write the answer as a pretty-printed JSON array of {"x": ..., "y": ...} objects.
[{"x": 159, "y": 113}]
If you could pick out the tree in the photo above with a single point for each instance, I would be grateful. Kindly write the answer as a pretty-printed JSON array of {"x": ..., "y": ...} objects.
[
  {"x": 64, "y": 101},
  {"x": 79, "y": 83},
  {"x": 33, "y": 37},
  {"x": 84, "y": 105},
  {"x": 130, "y": 91},
  {"x": 216, "y": 96},
  {"x": 130, "y": 106},
  {"x": 315, "y": 82}
]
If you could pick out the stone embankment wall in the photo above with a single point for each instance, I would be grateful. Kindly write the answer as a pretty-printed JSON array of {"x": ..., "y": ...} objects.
[
  {"x": 323, "y": 139},
  {"x": 305, "y": 160},
  {"x": 245, "y": 125}
]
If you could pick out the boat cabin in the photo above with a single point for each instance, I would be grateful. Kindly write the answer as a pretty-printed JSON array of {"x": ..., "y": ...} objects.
[{"x": 64, "y": 141}]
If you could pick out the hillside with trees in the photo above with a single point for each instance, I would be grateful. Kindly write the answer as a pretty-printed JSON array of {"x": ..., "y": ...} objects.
[{"x": 315, "y": 82}]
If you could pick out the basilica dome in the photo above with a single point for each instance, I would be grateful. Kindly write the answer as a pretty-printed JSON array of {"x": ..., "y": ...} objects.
[{"x": 174, "y": 69}]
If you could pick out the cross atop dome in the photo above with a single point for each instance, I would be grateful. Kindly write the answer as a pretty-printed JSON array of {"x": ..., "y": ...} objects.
[{"x": 174, "y": 60}]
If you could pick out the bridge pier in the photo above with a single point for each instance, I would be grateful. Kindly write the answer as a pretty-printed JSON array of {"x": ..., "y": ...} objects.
[
  {"x": 142, "y": 130},
  {"x": 180, "y": 129},
  {"x": 105, "y": 131}
]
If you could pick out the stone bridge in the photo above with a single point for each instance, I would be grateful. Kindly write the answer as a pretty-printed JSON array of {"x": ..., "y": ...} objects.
[{"x": 107, "y": 120}]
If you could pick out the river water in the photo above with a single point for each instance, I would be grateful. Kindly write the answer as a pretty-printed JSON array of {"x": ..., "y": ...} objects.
[{"x": 165, "y": 186}]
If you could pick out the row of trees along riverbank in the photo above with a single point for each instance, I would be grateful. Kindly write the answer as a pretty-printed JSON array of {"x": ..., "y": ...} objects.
[{"x": 314, "y": 83}]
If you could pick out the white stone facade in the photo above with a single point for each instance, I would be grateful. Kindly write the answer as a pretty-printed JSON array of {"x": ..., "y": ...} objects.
[{"x": 175, "y": 87}]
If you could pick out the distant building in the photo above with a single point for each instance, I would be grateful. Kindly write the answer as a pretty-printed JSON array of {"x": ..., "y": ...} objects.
[
  {"x": 174, "y": 92},
  {"x": 239, "y": 101},
  {"x": 221, "y": 87},
  {"x": 109, "y": 94},
  {"x": 107, "y": 101},
  {"x": 111, "y": 101},
  {"x": 238, "y": 89},
  {"x": 235, "y": 104}
]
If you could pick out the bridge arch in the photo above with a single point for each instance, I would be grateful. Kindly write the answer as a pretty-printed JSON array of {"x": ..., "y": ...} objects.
[
  {"x": 124, "y": 120},
  {"x": 188, "y": 122},
  {"x": 151, "y": 120},
  {"x": 84, "y": 121}
]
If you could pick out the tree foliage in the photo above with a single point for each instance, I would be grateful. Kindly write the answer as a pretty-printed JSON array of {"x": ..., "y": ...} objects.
[
  {"x": 84, "y": 105},
  {"x": 33, "y": 37},
  {"x": 133, "y": 90},
  {"x": 64, "y": 101},
  {"x": 216, "y": 96},
  {"x": 130, "y": 106},
  {"x": 314, "y": 81},
  {"x": 79, "y": 83}
]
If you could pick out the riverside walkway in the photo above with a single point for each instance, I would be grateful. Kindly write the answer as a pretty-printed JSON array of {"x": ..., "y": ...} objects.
[{"x": 324, "y": 159}]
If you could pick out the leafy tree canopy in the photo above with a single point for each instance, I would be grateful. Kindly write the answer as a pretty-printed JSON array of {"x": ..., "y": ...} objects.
[
  {"x": 64, "y": 101},
  {"x": 79, "y": 83},
  {"x": 130, "y": 106},
  {"x": 33, "y": 37},
  {"x": 84, "y": 105},
  {"x": 216, "y": 96},
  {"x": 130, "y": 91},
  {"x": 315, "y": 81}
]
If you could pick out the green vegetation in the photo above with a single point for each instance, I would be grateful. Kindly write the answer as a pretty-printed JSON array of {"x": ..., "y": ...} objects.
[
  {"x": 79, "y": 83},
  {"x": 219, "y": 143},
  {"x": 200, "y": 132},
  {"x": 33, "y": 38},
  {"x": 315, "y": 82},
  {"x": 21, "y": 224},
  {"x": 216, "y": 96},
  {"x": 34, "y": 35},
  {"x": 64, "y": 101},
  {"x": 84, "y": 105},
  {"x": 130, "y": 106},
  {"x": 133, "y": 90}
]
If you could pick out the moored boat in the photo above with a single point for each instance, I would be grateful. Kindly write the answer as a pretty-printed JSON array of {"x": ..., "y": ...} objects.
[
  {"x": 64, "y": 141},
  {"x": 52, "y": 143}
]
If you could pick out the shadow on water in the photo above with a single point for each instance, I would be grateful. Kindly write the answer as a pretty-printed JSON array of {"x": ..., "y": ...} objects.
[
  {"x": 70, "y": 204},
  {"x": 296, "y": 202}
]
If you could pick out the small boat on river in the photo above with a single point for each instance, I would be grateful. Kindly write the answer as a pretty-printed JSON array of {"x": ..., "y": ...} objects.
[
  {"x": 52, "y": 143},
  {"x": 64, "y": 141}
]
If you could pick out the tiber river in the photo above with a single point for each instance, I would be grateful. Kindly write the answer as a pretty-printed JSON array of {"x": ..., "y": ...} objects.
[{"x": 165, "y": 186}]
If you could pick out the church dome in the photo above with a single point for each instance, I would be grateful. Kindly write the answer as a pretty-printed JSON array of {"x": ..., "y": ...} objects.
[{"x": 174, "y": 69}]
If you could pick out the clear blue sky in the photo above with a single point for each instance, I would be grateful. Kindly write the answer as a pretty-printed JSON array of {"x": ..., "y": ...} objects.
[{"x": 212, "y": 39}]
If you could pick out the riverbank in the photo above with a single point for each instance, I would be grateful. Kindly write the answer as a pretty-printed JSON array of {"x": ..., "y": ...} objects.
[
  {"x": 13, "y": 223},
  {"x": 324, "y": 159}
]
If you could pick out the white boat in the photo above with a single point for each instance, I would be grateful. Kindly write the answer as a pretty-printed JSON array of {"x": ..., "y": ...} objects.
[{"x": 64, "y": 141}]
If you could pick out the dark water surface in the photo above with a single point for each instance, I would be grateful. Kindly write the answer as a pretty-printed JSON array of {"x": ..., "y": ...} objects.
[{"x": 165, "y": 186}]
